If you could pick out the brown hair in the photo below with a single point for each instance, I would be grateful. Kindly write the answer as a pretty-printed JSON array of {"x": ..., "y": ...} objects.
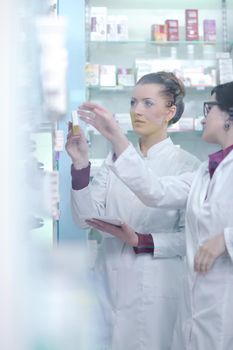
[{"x": 174, "y": 90}]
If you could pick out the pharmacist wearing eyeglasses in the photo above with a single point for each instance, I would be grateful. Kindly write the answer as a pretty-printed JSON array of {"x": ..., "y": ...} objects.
[{"x": 206, "y": 311}]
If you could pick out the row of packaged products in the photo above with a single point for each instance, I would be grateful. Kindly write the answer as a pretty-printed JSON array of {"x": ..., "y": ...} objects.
[
  {"x": 104, "y": 27},
  {"x": 115, "y": 27},
  {"x": 170, "y": 30},
  {"x": 183, "y": 124},
  {"x": 112, "y": 76},
  {"x": 109, "y": 75}
]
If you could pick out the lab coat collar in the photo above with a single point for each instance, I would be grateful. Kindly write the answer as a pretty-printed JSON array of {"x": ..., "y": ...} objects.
[
  {"x": 227, "y": 159},
  {"x": 216, "y": 158},
  {"x": 156, "y": 148},
  {"x": 223, "y": 163}
]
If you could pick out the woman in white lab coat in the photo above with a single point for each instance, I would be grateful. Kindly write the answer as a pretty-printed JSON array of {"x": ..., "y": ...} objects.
[
  {"x": 205, "y": 320},
  {"x": 140, "y": 291}
]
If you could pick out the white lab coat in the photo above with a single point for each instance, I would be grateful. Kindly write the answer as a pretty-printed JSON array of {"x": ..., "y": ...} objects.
[
  {"x": 140, "y": 292},
  {"x": 205, "y": 320}
]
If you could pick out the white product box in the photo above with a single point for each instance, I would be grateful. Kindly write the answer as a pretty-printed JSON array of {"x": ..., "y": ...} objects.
[
  {"x": 196, "y": 76},
  {"x": 143, "y": 67},
  {"x": 98, "y": 23},
  {"x": 125, "y": 77},
  {"x": 59, "y": 140},
  {"x": 107, "y": 75},
  {"x": 122, "y": 28},
  {"x": 112, "y": 28},
  {"x": 155, "y": 65},
  {"x": 225, "y": 70},
  {"x": 221, "y": 55},
  {"x": 92, "y": 74}
]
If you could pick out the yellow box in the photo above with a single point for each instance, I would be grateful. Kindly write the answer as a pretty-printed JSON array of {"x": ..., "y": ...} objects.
[{"x": 75, "y": 123}]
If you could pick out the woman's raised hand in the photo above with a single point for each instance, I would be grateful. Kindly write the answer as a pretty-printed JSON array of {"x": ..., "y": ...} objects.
[{"x": 103, "y": 121}]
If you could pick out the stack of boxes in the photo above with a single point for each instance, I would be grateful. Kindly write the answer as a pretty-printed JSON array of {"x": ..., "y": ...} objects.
[
  {"x": 109, "y": 75},
  {"x": 98, "y": 23},
  {"x": 191, "y": 24},
  {"x": 209, "y": 29},
  {"x": 225, "y": 67},
  {"x": 104, "y": 27},
  {"x": 115, "y": 28},
  {"x": 172, "y": 29},
  {"x": 158, "y": 32}
]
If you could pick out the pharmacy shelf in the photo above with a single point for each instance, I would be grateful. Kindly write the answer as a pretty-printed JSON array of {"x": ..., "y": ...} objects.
[
  {"x": 153, "y": 42},
  {"x": 100, "y": 89},
  {"x": 218, "y": 46},
  {"x": 165, "y": 4},
  {"x": 197, "y": 59},
  {"x": 110, "y": 88}
]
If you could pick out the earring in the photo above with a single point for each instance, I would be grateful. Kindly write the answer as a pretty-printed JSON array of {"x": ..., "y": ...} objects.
[{"x": 227, "y": 125}]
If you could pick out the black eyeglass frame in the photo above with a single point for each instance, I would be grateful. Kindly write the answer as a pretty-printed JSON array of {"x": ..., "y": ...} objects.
[{"x": 208, "y": 105}]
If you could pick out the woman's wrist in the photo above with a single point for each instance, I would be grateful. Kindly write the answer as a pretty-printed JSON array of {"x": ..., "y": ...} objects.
[
  {"x": 80, "y": 164},
  {"x": 134, "y": 240},
  {"x": 120, "y": 143}
]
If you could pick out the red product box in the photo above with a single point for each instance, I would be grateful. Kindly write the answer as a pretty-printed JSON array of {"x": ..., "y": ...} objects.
[
  {"x": 158, "y": 32},
  {"x": 191, "y": 24},
  {"x": 172, "y": 29},
  {"x": 209, "y": 30}
]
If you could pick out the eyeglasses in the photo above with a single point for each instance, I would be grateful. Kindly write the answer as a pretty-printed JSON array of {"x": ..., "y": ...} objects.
[{"x": 207, "y": 107}]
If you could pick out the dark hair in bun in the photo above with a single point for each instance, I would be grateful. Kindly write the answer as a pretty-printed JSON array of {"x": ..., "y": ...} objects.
[{"x": 174, "y": 90}]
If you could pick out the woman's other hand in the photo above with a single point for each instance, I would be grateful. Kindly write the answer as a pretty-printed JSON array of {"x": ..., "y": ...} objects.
[
  {"x": 123, "y": 232},
  {"x": 208, "y": 253}
]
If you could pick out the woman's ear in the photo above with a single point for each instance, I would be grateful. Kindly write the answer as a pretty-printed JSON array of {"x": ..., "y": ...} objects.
[{"x": 171, "y": 113}]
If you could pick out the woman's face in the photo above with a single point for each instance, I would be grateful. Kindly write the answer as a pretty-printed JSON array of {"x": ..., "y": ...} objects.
[
  {"x": 213, "y": 123},
  {"x": 148, "y": 110}
]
